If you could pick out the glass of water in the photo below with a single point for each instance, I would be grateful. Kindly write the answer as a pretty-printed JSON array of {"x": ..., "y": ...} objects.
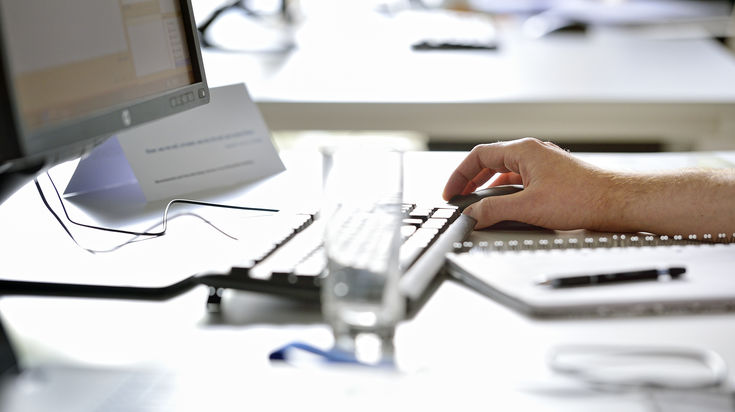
[{"x": 362, "y": 210}]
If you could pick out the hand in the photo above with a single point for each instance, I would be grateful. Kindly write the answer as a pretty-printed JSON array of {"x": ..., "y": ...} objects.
[
  {"x": 560, "y": 191},
  {"x": 563, "y": 192}
]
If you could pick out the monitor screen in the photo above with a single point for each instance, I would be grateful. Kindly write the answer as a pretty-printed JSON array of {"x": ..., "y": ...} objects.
[{"x": 76, "y": 71}]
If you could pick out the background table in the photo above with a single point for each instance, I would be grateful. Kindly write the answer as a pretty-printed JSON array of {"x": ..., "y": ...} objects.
[{"x": 354, "y": 71}]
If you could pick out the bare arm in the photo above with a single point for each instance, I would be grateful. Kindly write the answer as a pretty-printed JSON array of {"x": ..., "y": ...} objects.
[{"x": 563, "y": 192}]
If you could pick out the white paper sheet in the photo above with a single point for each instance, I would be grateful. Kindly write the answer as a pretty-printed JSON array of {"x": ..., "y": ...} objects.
[
  {"x": 222, "y": 143},
  {"x": 512, "y": 277}
]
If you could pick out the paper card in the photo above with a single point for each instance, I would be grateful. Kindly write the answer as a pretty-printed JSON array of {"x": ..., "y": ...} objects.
[
  {"x": 222, "y": 143},
  {"x": 105, "y": 168}
]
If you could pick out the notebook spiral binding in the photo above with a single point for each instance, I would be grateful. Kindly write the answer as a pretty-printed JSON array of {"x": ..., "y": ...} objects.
[{"x": 587, "y": 241}]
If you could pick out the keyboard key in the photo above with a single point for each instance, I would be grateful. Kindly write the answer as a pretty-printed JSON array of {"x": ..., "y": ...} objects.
[
  {"x": 445, "y": 213},
  {"x": 414, "y": 222},
  {"x": 407, "y": 231},
  {"x": 433, "y": 223},
  {"x": 424, "y": 234},
  {"x": 422, "y": 214},
  {"x": 293, "y": 262},
  {"x": 284, "y": 259}
]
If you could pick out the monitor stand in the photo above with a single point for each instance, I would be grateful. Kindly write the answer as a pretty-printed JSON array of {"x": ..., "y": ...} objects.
[{"x": 8, "y": 360}]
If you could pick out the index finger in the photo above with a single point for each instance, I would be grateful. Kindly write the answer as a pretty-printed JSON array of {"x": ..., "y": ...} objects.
[{"x": 483, "y": 162}]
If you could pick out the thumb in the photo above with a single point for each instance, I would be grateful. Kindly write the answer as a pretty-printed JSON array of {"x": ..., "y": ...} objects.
[{"x": 492, "y": 210}]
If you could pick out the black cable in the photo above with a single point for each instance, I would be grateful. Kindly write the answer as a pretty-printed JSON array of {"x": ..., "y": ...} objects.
[
  {"x": 137, "y": 235},
  {"x": 225, "y": 281},
  {"x": 16, "y": 287},
  {"x": 48, "y": 206},
  {"x": 202, "y": 28},
  {"x": 236, "y": 4},
  {"x": 29, "y": 288},
  {"x": 165, "y": 213}
]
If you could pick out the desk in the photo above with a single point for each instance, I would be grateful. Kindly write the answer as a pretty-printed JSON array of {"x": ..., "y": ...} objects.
[
  {"x": 461, "y": 352},
  {"x": 605, "y": 86}
]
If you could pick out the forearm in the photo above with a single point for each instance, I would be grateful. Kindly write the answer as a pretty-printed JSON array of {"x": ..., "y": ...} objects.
[{"x": 684, "y": 202}]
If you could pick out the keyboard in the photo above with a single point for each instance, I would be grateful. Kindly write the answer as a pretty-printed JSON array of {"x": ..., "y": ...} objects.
[{"x": 293, "y": 265}]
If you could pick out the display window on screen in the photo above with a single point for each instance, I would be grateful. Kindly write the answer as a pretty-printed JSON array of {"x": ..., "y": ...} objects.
[{"x": 71, "y": 58}]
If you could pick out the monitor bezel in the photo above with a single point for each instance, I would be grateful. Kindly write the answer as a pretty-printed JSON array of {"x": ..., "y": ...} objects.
[{"x": 49, "y": 146}]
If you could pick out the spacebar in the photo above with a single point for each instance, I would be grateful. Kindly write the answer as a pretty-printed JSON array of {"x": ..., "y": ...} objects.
[{"x": 417, "y": 278}]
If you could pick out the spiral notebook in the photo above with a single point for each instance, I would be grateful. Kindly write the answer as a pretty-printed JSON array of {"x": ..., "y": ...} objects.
[{"x": 508, "y": 266}]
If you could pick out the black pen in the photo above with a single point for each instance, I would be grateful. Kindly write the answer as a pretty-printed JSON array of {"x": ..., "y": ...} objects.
[{"x": 613, "y": 277}]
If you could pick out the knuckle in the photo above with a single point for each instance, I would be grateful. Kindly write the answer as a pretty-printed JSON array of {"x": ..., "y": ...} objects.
[
  {"x": 531, "y": 142},
  {"x": 479, "y": 148},
  {"x": 552, "y": 145}
]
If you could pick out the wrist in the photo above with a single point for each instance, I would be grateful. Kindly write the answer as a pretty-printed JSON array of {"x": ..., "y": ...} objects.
[{"x": 614, "y": 206}]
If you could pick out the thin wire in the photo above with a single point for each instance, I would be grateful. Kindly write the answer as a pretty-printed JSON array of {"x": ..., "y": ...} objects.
[
  {"x": 165, "y": 213},
  {"x": 134, "y": 239},
  {"x": 139, "y": 238},
  {"x": 136, "y": 235}
]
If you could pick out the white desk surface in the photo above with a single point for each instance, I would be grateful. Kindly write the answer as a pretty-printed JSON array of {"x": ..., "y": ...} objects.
[
  {"x": 352, "y": 73},
  {"x": 462, "y": 351}
]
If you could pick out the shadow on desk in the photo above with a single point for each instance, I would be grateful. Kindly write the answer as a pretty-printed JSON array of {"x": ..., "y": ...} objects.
[{"x": 251, "y": 308}]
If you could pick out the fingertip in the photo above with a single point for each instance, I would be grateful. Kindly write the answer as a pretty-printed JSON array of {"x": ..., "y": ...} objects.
[
  {"x": 453, "y": 187},
  {"x": 470, "y": 212},
  {"x": 447, "y": 194}
]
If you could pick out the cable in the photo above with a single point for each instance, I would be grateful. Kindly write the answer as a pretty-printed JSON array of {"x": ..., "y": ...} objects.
[
  {"x": 213, "y": 280},
  {"x": 202, "y": 28},
  {"x": 283, "y": 11},
  {"x": 14, "y": 287},
  {"x": 168, "y": 206},
  {"x": 605, "y": 366},
  {"x": 136, "y": 235}
]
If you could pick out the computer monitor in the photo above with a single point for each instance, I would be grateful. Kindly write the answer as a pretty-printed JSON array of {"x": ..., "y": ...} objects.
[{"x": 74, "y": 72}]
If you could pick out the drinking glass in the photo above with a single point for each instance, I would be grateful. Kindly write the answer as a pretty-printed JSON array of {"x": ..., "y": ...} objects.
[{"x": 362, "y": 211}]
